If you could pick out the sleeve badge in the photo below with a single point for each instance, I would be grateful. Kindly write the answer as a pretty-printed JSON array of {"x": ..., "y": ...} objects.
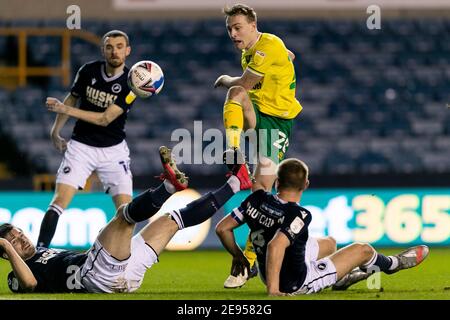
[
  {"x": 258, "y": 58},
  {"x": 296, "y": 225}
]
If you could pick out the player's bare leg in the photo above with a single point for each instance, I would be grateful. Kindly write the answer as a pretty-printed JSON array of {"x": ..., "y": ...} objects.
[
  {"x": 351, "y": 256},
  {"x": 61, "y": 199},
  {"x": 63, "y": 195},
  {"x": 158, "y": 233},
  {"x": 116, "y": 236},
  {"x": 121, "y": 199},
  {"x": 265, "y": 174},
  {"x": 327, "y": 246},
  {"x": 366, "y": 258}
]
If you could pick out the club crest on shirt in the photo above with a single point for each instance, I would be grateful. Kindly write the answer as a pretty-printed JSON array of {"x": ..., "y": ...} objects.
[
  {"x": 258, "y": 58},
  {"x": 296, "y": 225},
  {"x": 116, "y": 88}
]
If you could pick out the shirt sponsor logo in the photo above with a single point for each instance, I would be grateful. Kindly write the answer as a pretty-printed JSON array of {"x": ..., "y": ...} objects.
[
  {"x": 257, "y": 86},
  {"x": 100, "y": 98},
  {"x": 271, "y": 210}
]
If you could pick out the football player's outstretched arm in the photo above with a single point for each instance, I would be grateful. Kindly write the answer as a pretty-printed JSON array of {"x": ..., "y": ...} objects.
[
  {"x": 248, "y": 80},
  {"x": 224, "y": 231},
  {"x": 98, "y": 118},
  {"x": 274, "y": 259},
  {"x": 27, "y": 281},
  {"x": 60, "y": 120}
]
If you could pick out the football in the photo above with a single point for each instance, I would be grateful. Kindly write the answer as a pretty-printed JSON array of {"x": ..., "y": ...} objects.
[{"x": 146, "y": 79}]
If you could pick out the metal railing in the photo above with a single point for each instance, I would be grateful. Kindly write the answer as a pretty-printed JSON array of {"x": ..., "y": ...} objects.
[{"x": 22, "y": 71}]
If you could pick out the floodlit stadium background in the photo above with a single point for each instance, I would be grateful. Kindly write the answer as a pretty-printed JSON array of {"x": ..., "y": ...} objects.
[{"x": 375, "y": 129}]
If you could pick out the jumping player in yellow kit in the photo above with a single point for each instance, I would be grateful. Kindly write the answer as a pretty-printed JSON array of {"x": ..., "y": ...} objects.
[{"x": 262, "y": 98}]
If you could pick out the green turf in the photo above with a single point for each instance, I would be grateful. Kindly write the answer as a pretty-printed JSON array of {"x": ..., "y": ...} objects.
[{"x": 200, "y": 275}]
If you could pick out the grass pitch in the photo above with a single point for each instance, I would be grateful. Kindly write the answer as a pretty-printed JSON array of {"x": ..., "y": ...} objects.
[{"x": 199, "y": 275}]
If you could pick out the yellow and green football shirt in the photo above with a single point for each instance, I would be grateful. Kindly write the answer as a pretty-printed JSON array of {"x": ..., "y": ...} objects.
[{"x": 274, "y": 95}]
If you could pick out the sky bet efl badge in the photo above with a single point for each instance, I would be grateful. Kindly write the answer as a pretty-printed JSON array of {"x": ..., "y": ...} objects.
[{"x": 259, "y": 58}]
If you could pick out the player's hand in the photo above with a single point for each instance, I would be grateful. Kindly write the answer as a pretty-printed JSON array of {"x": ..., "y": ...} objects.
[
  {"x": 59, "y": 143},
  {"x": 220, "y": 81},
  {"x": 54, "y": 105},
  {"x": 239, "y": 264},
  {"x": 277, "y": 293},
  {"x": 4, "y": 244}
]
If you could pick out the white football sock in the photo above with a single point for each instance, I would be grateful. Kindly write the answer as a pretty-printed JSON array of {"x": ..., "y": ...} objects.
[
  {"x": 169, "y": 186},
  {"x": 395, "y": 262},
  {"x": 234, "y": 183},
  {"x": 371, "y": 262}
]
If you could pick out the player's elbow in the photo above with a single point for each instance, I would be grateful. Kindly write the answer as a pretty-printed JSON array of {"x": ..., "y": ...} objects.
[
  {"x": 220, "y": 230},
  {"x": 29, "y": 285}
]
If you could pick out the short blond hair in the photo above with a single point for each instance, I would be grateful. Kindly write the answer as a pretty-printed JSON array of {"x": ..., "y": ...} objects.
[{"x": 243, "y": 9}]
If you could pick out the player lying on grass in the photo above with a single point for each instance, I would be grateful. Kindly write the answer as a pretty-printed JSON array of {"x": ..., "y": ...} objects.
[
  {"x": 117, "y": 261},
  {"x": 315, "y": 249},
  {"x": 279, "y": 232}
]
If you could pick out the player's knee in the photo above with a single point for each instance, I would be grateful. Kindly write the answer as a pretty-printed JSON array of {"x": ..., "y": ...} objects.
[
  {"x": 332, "y": 245},
  {"x": 368, "y": 250},
  {"x": 261, "y": 185},
  {"x": 365, "y": 250},
  {"x": 237, "y": 93},
  {"x": 62, "y": 198},
  {"x": 219, "y": 229}
]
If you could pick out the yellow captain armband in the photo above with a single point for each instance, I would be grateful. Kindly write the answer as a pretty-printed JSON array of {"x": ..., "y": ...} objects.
[{"x": 130, "y": 98}]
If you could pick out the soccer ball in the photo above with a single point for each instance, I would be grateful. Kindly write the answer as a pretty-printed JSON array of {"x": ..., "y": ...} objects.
[{"x": 145, "y": 79}]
